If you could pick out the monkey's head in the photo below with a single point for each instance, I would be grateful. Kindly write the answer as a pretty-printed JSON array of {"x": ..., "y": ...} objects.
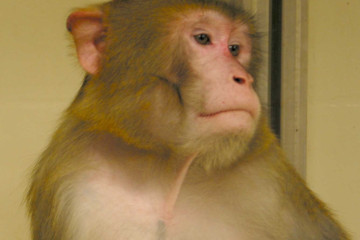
[{"x": 169, "y": 75}]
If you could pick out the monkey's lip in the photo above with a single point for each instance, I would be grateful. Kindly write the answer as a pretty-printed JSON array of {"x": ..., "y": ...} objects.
[{"x": 214, "y": 114}]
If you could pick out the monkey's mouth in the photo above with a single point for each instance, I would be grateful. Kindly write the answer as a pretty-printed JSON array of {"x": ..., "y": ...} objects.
[{"x": 214, "y": 114}]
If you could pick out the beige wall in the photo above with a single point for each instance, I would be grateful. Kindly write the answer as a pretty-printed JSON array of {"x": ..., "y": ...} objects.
[
  {"x": 333, "y": 166},
  {"x": 39, "y": 76}
]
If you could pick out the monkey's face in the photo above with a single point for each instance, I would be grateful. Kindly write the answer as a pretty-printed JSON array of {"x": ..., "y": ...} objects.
[
  {"x": 217, "y": 100},
  {"x": 220, "y": 53}
]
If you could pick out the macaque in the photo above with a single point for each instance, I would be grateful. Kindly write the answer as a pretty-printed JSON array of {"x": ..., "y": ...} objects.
[{"x": 166, "y": 138}]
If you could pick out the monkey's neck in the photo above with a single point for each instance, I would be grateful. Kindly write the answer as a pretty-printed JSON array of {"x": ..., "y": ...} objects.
[{"x": 173, "y": 194}]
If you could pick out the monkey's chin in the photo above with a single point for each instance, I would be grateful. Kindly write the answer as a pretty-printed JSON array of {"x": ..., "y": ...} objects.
[
  {"x": 219, "y": 151},
  {"x": 220, "y": 140}
]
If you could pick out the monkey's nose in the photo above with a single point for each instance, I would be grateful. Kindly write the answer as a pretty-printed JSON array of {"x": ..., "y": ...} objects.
[{"x": 239, "y": 80}]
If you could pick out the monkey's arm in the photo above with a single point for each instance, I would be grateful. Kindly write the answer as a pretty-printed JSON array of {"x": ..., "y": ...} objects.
[
  {"x": 53, "y": 182},
  {"x": 311, "y": 218}
]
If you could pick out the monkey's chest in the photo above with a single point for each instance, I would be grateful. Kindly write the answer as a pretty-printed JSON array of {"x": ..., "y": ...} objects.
[
  {"x": 194, "y": 224},
  {"x": 112, "y": 212},
  {"x": 144, "y": 221}
]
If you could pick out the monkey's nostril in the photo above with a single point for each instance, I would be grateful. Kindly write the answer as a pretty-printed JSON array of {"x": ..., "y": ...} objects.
[{"x": 239, "y": 80}]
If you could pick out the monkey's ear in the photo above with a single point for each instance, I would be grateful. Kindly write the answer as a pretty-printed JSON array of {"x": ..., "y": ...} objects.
[{"x": 86, "y": 27}]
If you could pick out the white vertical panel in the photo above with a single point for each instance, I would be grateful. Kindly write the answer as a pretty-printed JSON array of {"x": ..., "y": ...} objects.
[{"x": 294, "y": 82}]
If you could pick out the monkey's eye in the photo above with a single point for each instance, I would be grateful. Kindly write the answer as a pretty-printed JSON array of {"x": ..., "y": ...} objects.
[
  {"x": 202, "y": 39},
  {"x": 234, "y": 50}
]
